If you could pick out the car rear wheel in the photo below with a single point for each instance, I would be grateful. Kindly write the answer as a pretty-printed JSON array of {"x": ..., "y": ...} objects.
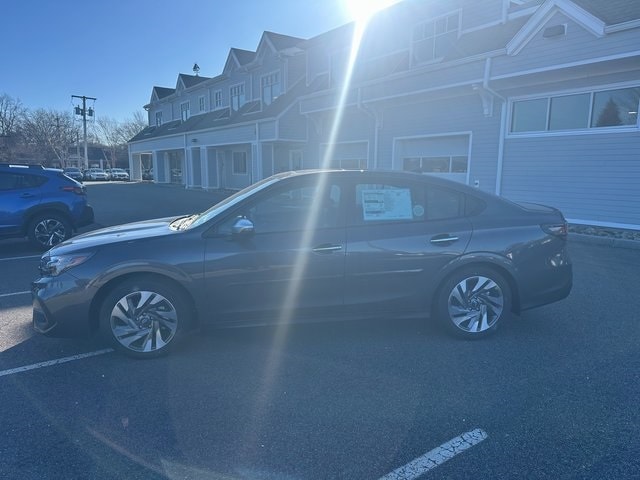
[
  {"x": 473, "y": 302},
  {"x": 143, "y": 318},
  {"x": 47, "y": 230}
]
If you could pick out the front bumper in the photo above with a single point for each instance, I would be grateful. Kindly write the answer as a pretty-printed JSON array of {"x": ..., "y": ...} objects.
[{"x": 61, "y": 306}]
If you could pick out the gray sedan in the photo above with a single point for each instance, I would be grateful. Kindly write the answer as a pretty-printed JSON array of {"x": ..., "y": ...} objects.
[{"x": 309, "y": 246}]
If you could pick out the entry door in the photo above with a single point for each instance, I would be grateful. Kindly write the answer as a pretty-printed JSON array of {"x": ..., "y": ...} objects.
[{"x": 291, "y": 268}]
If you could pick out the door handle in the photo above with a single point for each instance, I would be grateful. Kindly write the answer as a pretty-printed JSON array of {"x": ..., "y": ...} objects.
[
  {"x": 27, "y": 195},
  {"x": 327, "y": 248},
  {"x": 443, "y": 239}
]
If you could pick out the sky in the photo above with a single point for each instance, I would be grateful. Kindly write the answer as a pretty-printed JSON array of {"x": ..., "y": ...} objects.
[{"x": 118, "y": 50}]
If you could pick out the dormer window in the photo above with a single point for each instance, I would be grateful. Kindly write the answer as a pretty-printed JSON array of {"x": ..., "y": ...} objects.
[
  {"x": 185, "y": 111},
  {"x": 432, "y": 39},
  {"x": 202, "y": 103},
  {"x": 217, "y": 99},
  {"x": 158, "y": 119},
  {"x": 237, "y": 96},
  {"x": 270, "y": 87}
]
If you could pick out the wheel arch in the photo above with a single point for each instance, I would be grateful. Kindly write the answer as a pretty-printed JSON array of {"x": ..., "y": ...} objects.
[
  {"x": 109, "y": 286},
  {"x": 498, "y": 264},
  {"x": 57, "y": 208}
]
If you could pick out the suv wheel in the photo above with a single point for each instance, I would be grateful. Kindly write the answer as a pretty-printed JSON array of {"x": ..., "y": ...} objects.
[{"x": 48, "y": 229}]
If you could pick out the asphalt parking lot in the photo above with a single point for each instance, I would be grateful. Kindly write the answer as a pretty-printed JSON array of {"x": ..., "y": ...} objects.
[{"x": 552, "y": 395}]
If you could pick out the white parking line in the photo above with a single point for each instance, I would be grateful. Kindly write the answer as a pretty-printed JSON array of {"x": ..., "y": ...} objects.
[
  {"x": 51, "y": 363},
  {"x": 437, "y": 456},
  {"x": 13, "y": 294},
  {"x": 18, "y": 258}
]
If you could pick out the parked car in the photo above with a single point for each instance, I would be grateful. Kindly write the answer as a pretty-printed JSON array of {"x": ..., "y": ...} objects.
[
  {"x": 118, "y": 174},
  {"x": 147, "y": 174},
  {"x": 96, "y": 174},
  {"x": 44, "y": 205},
  {"x": 74, "y": 172},
  {"x": 306, "y": 246}
]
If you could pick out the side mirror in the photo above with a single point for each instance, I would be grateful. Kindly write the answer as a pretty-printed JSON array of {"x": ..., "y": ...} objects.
[{"x": 243, "y": 227}]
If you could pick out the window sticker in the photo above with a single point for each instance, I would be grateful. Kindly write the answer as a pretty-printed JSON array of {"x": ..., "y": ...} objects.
[{"x": 386, "y": 204}]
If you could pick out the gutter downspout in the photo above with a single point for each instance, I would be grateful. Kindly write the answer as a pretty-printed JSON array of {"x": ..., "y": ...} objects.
[{"x": 503, "y": 123}]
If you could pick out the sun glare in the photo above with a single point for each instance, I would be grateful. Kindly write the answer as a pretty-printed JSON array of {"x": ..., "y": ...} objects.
[{"x": 362, "y": 10}]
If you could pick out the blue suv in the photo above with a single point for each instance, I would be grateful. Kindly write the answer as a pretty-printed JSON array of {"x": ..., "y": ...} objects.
[{"x": 42, "y": 204}]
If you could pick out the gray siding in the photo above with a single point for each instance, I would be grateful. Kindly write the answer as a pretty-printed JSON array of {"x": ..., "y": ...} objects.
[
  {"x": 480, "y": 12},
  {"x": 447, "y": 117},
  {"x": 578, "y": 45},
  {"x": 589, "y": 177},
  {"x": 232, "y": 135},
  {"x": 267, "y": 130},
  {"x": 292, "y": 125},
  {"x": 466, "y": 74}
]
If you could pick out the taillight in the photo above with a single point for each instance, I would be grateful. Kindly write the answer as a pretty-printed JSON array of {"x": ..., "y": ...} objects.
[
  {"x": 73, "y": 189},
  {"x": 556, "y": 229}
]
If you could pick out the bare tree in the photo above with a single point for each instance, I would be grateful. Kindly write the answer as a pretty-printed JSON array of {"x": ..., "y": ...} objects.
[
  {"x": 49, "y": 134},
  {"x": 133, "y": 125},
  {"x": 115, "y": 135},
  {"x": 11, "y": 114}
]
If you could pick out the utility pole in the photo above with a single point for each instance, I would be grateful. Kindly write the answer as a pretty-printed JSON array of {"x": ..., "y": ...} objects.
[{"x": 84, "y": 112}]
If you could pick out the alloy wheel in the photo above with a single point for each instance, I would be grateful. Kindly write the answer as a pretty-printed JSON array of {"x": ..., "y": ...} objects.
[
  {"x": 49, "y": 232},
  {"x": 476, "y": 304},
  {"x": 144, "y": 321}
]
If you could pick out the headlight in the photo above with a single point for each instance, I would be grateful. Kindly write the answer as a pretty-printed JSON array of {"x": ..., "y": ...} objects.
[{"x": 56, "y": 264}]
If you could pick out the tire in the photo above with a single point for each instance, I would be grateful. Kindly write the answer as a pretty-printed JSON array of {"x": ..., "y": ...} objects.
[
  {"x": 143, "y": 318},
  {"x": 49, "y": 229},
  {"x": 472, "y": 302}
]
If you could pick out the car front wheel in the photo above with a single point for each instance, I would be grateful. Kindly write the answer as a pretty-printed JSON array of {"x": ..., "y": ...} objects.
[
  {"x": 143, "y": 318},
  {"x": 473, "y": 302},
  {"x": 47, "y": 230}
]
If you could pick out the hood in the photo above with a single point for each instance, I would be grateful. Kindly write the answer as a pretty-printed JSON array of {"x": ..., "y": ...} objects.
[{"x": 117, "y": 234}]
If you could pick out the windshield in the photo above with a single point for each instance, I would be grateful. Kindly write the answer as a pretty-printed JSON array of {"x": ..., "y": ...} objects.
[{"x": 233, "y": 200}]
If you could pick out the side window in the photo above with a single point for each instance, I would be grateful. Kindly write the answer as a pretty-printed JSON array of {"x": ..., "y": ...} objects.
[
  {"x": 8, "y": 181},
  {"x": 292, "y": 209},
  {"x": 388, "y": 202},
  {"x": 32, "y": 181},
  {"x": 14, "y": 181},
  {"x": 443, "y": 203},
  {"x": 376, "y": 203}
]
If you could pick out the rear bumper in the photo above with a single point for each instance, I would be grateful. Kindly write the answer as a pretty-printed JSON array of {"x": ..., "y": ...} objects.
[
  {"x": 86, "y": 217},
  {"x": 558, "y": 288}
]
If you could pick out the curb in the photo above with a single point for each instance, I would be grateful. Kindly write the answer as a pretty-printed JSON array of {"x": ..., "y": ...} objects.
[{"x": 604, "y": 241}]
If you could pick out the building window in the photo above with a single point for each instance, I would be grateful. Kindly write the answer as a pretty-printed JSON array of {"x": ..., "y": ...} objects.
[
  {"x": 158, "y": 119},
  {"x": 201, "y": 103},
  {"x": 582, "y": 111},
  {"x": 217, "y": 99},
  {"x": 270, "y": 87},
  {"x": 439, "y": 164},
  {"x": 240, "y": 163},
  {"x": 237, "y": 96},
  {"x": 184, "y": 111},
  {"x": 432, "y": 39}
]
